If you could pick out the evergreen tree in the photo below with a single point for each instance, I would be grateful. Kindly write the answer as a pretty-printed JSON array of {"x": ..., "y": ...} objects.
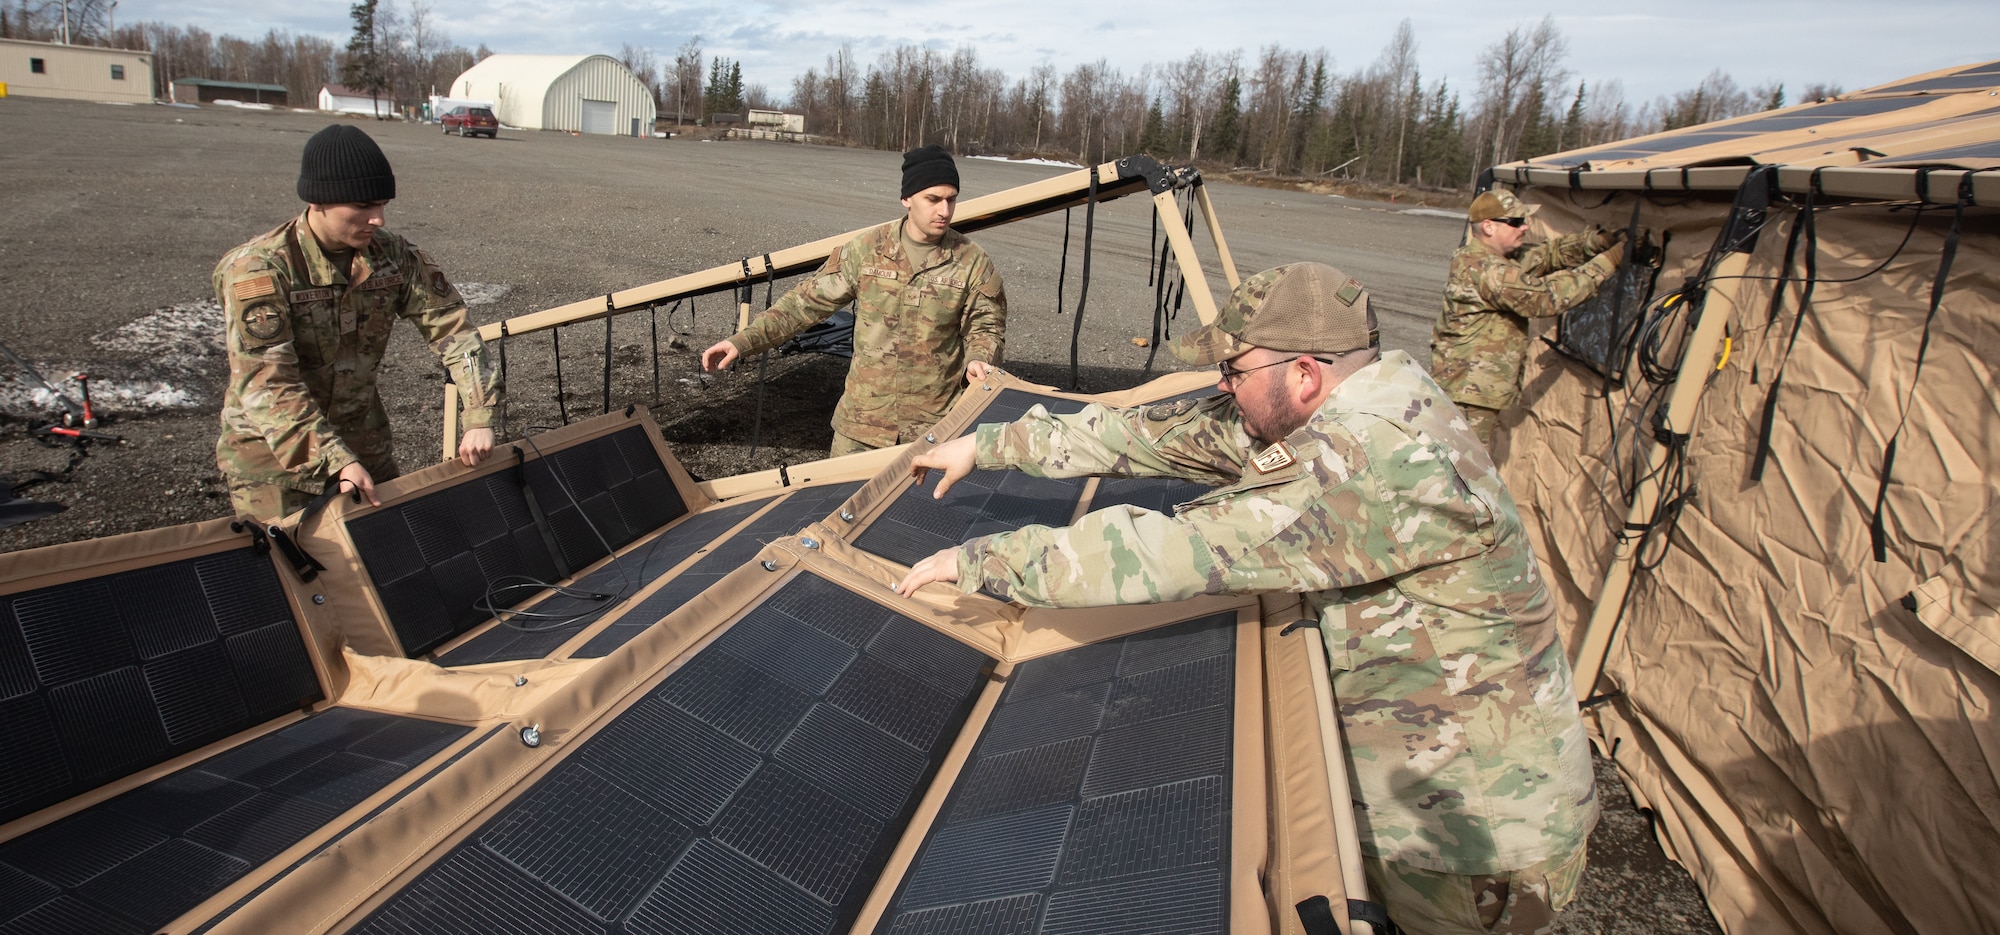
[
  {"x": 364, "y": 69},
  {"x": 1571, "y": 136},
  {"x": 1777, "y": 98},
  {"x": 1226, "y": 135},
  {"x": 1153, "y": 140}
]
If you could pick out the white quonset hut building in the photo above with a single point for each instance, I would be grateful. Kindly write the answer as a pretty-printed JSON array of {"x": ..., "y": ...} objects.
[{"x": 590, "y": 93}]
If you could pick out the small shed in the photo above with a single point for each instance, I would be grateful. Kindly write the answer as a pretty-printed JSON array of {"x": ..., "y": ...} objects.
[
  {"x": 777, "y": 120},
  {"x": 583, "y": 93},
  {"x": 340, "y": 99},
  {"x": 207, "y": 90},
  {"x": 77, "y": 72}
]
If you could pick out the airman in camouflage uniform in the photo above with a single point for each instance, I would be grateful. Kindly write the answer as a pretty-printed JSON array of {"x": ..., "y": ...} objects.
[
  {"x": 1480, "y": 342},
  {"x": 929, "y": 314},
  {"x": 1372, "y": 499},
  {"x": 306, "y": 325}
]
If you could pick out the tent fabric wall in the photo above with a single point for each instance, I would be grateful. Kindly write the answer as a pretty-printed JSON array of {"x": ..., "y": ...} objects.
[{"x": 1819, "y": 754}]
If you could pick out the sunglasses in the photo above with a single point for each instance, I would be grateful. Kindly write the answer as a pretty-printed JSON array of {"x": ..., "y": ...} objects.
[{"x": 1511, "y": 222}]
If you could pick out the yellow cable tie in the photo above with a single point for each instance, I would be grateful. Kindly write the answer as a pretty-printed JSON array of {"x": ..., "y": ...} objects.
[{"x": 1726, "y": 341}]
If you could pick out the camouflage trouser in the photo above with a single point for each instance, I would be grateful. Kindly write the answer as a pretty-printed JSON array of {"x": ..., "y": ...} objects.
[
  {"x": 1485, "y": 423},
  {"x": 843, "y": 445},
  {"x": 1518, "y": 902},
  {"x": 266, "y": 503}
]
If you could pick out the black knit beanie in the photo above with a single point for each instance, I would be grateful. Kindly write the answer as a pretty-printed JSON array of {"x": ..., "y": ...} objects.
[
  {"x": 342, "y": 165},
  {"x": 926, "y": 166}
]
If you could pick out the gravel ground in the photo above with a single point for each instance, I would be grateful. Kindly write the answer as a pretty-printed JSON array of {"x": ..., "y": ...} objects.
[{"x": 115, "y": 217}]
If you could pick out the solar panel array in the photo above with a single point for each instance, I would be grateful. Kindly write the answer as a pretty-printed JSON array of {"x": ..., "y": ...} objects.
[
  {"x": 138, "y": 861},
  {"x": 758, "y": 788},
  {"x": 104, "y": 677},
  {"x": 432, "y": 558}
]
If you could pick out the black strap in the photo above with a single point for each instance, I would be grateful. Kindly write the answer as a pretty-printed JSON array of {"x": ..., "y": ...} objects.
[
  {"x": 1810, "y": 226},
  {"x": 1877, "y": 526},
  {"x": 1316, "y": 916},
  {"x": 503, "y": 375},
  {"x": 609, "y": 310},
  {"x": 1083, "y": 289},
  {"x": 654, "y": 313},
  {"x": 542, "y": 526},
  {"x": 303, "y": 564},
  {"x": 1062, "y": 271},
  {"x": 562, "y": 406}
]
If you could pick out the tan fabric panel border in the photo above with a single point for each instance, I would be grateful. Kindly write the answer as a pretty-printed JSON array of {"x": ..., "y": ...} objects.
[
  {"x": 1008, "y": 632},
  {"x": 353, "y": 613},
  {"x": 1301, "y": 861},
  {"x": 932, "y": 803},
  {"x": 1250, "y": 833}
]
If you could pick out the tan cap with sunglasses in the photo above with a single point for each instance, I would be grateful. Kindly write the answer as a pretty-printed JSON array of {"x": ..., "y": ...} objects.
[
  {"x": 1300, "y": 308},
  {"x": 1498, "y": 203}
]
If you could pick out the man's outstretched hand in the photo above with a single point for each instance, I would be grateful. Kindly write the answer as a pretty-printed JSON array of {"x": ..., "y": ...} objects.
[
  {"x": 955, "y": 458},
  {"x": 718, "y": 356},
  {"x": 940, "y": 567}
]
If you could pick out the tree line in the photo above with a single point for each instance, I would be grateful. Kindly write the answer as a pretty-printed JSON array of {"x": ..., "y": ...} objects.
[{"x": 1280, "y": 111}]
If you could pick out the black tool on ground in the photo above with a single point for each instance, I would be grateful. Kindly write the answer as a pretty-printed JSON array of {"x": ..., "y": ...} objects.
[{"x": 17, "y": 510}]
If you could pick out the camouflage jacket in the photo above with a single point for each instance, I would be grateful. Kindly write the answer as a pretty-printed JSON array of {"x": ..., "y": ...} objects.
[
  {"x": 1388, "y": 518},
  {"x": 914, "y": 329},
  {"x": 1480, "y": 342},
  {"x": 304, "y": 343}
]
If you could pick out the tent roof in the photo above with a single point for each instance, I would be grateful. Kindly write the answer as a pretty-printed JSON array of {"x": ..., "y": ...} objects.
[
  {"x": 1944, "y": 123},
  {"x": 535, "y": 70}
]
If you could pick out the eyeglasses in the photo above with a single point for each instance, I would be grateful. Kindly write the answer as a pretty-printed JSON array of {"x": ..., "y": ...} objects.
[
  {"x": 1232, "y": 374},
  {"x": 1511, "y": 222}
]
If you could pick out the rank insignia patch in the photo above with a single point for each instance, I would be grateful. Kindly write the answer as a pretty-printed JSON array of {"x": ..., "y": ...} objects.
[{"x": 1277, "y": 457}]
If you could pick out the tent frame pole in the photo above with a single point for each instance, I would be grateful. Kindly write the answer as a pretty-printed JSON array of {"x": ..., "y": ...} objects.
[{"x": 1723, "y": 292}]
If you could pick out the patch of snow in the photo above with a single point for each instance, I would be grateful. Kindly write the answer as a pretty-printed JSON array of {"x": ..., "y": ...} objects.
[
  {"x": 483, "y": 293},
  {"x": 1030, "y": 162}
]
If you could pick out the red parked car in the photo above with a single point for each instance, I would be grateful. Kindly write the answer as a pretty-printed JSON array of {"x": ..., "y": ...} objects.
[{"x": 472, "y": 121}]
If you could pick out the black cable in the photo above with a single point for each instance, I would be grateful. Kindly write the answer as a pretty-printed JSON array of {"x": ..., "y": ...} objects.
[
  {"x": 607, "y": 358},
  {"x": 1083, "y": 289},
  {"x": 492, "y": 604},
  {"x": 653, "y": 312},
  {"x": 757, "y": 427},
  {"x": 1153, "y": 247}
]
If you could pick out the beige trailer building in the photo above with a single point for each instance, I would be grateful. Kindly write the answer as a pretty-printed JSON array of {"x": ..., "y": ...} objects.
[
  {"x": 583, "y": 93},
  {"x": 76, "y": 72}
]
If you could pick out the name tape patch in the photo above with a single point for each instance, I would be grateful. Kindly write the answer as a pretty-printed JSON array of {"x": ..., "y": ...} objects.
[{"x": 881, "y": 273}]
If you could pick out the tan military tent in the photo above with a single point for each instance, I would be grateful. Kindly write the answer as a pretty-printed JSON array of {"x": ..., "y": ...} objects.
[{"x": 1762, "y": 472}]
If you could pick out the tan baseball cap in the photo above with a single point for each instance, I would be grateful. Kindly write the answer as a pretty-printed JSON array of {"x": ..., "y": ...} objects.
[
  {"x": 1498, "y": 203},
  {"x": 1299, "y": 308}
]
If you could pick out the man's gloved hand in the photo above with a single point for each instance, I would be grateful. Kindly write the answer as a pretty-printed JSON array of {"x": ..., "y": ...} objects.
[{"x": 1615, "y": 254}]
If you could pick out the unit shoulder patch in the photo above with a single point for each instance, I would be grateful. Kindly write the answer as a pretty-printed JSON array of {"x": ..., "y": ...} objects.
[
  {"x": 1275, "y": 458},
  {"x": 264, "y": 321}
]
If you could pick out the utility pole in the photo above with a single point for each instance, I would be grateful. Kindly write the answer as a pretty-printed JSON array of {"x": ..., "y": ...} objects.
[{"x": 65, "y": 29}]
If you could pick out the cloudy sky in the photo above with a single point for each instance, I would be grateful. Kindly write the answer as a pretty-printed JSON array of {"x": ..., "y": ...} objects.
[{"x": 1652, "y": 49}]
